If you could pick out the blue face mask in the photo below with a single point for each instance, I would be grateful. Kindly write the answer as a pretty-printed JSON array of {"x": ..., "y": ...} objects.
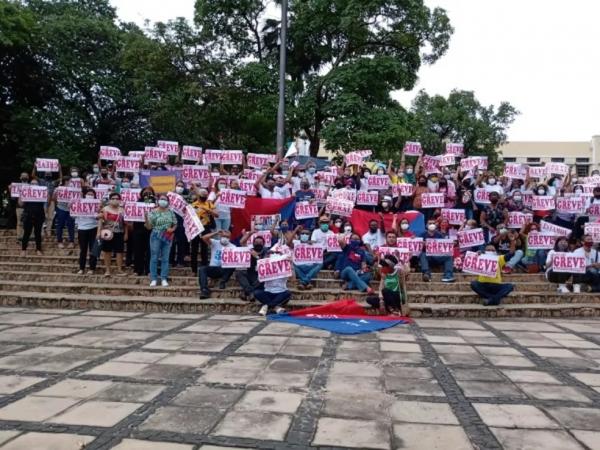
[
  {"x": 304, "y": 238},
  {"x": 324, "y": 227},
  {"x": 285, "y": 228},
  {"x": 311, "y": 170},
  {"x": 354, "y": 244}
]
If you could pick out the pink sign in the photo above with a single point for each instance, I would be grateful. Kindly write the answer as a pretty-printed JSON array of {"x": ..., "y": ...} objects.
[
  {"x": 102, "y": 191},
  {"x": 67, "y": 194},
  {"x": 171, "y": 147},
  {"x": 540, "y": 241},
  {"x": 75, "y": 183},
  {"x": 130, "y": 195},
  {"x": 138, "y": 154},
  {"x": 15, "y": 189},
  {"x": 339, "y": 207},
  {"x": 191, "y": 153},
  {"x": 109, "y": 153},
  {"x": 454, "y": 216},
  {"x": 557, "y": 168},
  {"x": 367, "y": 198},
  {"x": 568, "y": 263},
  {"x": 47, "y": 165},
  {"x": 306, "y": 210},
  {"x": 136, "y": 211},
  {"x": 455, "y": 149},
  {"x": 593, "y": 229},
  {"x": 401, "y": 254},
  {"x": 345, "y": 194},
  {"x": 412, "y": 245},
  {"x": 570, "y": 205},
  {"x": 155, "y": 155},
  {"x": 212, "y": 156},
  {"x": 34, "y": 194},
  {"x": 128, "y": 164},
  {"x": 439, "y": 247},
  {"x": 547, "y": 227},
  {"x": 537, "y": 172},
  {"x": 480, "y": 162},
  {"x": 594, "y": 209},
  {"x": 515, "y": 171},
  {"x": 196, "y": 174},
  {"x": 232, "y": 157},
  {"x": 191, "y": 222},
  {"x": 333, "y": 244},
  {"x": 232, "y": 198},
  {"x": 258, "y": 160},
  {"x": 542, "y": 203},
  {"x": 265, "y": 235},
  {"x": 518, "y": 219},
  {"x": 353, "y": 159},
  {"x": 403, "y": 190},
  {"x": 327, "y": 178},
  {"x": 446, "y": 160},
  {"x": 249, "y": 187},
  {"x": 308, "y": 254},
  {"x": 274, "y": 268},
  {"x": 413, "y": 149},
  {"x": 85, "y": 208},
  {"x": 431, "y": 164},
  {"x": 482, "y": 196},
  {"x": 320, "y": 194},
  {"x": 470, "y": 238},
  {"x": 236, "y": 258},
  {"x": 378, "y": 182},
  {"x": 177, "y": 203},
  {"x": 482, "y": 265},
  {"x": 432, "y": 200}
]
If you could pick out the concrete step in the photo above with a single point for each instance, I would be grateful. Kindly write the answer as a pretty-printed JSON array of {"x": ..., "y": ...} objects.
[
  {"x": 190, "y": 305},
  {"x": 117, "y": 287},
  {"x": 185, "y": 281}
]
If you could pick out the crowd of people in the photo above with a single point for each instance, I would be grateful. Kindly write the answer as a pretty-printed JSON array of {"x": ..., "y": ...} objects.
[{"x": 372, "y": 221}]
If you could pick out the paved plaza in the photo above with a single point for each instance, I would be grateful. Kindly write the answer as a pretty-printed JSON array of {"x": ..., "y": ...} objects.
[{"x": 137, "y": 381}]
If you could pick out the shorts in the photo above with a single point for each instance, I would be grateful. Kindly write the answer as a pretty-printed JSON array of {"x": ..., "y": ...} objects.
[{"x": 115, "y": 245}]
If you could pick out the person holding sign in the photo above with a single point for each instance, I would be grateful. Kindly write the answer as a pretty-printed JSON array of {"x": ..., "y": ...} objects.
[
  {"x": 33, "y": 218},
  {"x": 24, "y": 179},
  {"x": 275, "y": 293},
  {"x": 113, "y": 233},
  {"x": 87, "y": 229},
  {"x": 162, "y": 222},
  {"x": 426, "y": 261},
  {"x": 305, "y": 270},
  {"x": 140, "y": 237},
  {"x": 248, "y": 278},
  {"x": 375, "y": 237},
  {"x": 592, "y": 262},
  {"x": 218, "y": 241},
  {"x": 493, "y": 215},
  {"x": 508, "y": 243},
  {"x": 491, "y": 289},
  {"x": 353, "y": 265},
  {"x": 207, "y": 215},
  {"x": 63, "y": 217},
  {"x": 392, "y": 287},
  {"x": 561, "y": 246},
  {"x": 223, "y": 220}
]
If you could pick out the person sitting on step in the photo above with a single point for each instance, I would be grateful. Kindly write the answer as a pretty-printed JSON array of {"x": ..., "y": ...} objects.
[
  {"x": 492, "y": 290},
  {"x": 248, "y": 278},
  {"x": 425, "y": 261},
  {"x": 353, "y": 265},
  {"x": 392, "y": 290},
  {"x": 217, "y": 241},
  {"x": 274, "y": 293},
  {"x": 306, "y": 272}
]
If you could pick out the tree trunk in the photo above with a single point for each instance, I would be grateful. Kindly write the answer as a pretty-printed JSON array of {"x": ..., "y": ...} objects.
[{"x": 315, "y": 143}]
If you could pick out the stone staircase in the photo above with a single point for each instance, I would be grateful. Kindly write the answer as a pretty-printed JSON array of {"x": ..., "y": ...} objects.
[{"x": 50, "y": 281}]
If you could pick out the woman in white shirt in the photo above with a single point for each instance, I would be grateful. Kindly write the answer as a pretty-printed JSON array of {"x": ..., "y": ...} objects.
[
  {"x": 223, "y": 222},
  {"x": 87, "y": 228}
]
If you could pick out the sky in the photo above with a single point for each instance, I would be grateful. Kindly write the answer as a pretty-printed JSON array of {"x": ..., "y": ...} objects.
[{"x": 542, "y": 56}]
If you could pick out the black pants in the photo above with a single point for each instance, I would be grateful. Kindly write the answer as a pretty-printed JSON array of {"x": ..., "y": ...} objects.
[
  {"x": 196, "y": 243},
  {"x": 562, "y": 278},
  {"x": 248, "y": 280},
  {"x": 32, "y": 222},
  {"x": 180, "y": 247},
  {"x": 86, "y": 239},
  {"x": 216, "y": 273},
  {"x": 141, "y": 251},
  {"x": 391, "y": 299}
]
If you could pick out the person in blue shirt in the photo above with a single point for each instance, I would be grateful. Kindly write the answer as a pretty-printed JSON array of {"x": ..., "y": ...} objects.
[
  {"x": 426, "y": 261},
  {"x": 305, "y": 194},
  {"x": 353, "y": 265}
]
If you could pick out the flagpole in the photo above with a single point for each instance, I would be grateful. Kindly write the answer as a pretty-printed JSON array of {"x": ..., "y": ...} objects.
[{"x": 282, "y": 65}]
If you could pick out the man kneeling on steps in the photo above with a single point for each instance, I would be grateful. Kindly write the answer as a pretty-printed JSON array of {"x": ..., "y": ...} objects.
[
  {"x": 492, "y": 290},
  {"x": 217, "y": 241}
]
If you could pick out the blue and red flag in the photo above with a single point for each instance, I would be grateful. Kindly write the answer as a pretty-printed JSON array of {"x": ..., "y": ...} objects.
[
  {"x": 360, "y": 221},
  {"x": 341, "y": 317},
  {"x": 240, "y": 218}
]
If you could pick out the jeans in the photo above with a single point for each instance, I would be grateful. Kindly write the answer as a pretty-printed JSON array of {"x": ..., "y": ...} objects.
[
  {"x": 223, "y": 224},
  {"x": 248, "y": 280},
  {"x": 63, "y": 218},
  {"x": 159, "y": 249},
  {"x": 514, "y": 258},
  {"x": 539, "y": 258},
  {"x": 330, "y": 259},
  {"x": 354, "y": 279},
  {"x": 306, "y": 273},
  {"x": 86, "y": 239},
  {"x": 271, "y": 299},
  {"x": 493, "y": 293},
  {"x": 446, "y": 261},
  {"x": 206, "y": 272}
]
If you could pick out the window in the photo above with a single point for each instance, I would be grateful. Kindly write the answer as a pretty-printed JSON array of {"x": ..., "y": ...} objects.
[
  {"x": 582, "y": 171},
  {"x": 559, "y": 160},
  {"x": 582, "y": 160},
  {"x": 533, "y": 160},
  {"x": 511, "y": 160}
]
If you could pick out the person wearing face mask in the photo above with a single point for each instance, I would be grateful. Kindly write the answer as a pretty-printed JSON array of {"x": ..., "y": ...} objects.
[
  {"x": 365, "y": 174},
  {"x": 218, "y": 241},
  {"x": 419, "y": 190},
  {"x": 491, "y": 184},
  {"x": 265, "y": 185},
  {"x": 248, "y": 278},
  {"x": 207, "y": 215},
  {"x": 23, "y": 179},
  {"x": 319, "y": 237},
  {"x": 179, "y": 248},
  {"x": 273, "y": 294},
  {"x": 392, "y": 287},
  {"x": 306, "y": 272},
  {"x": 223, "y": 222},
  {"x": 92, "y": 177},
  {"x": 492, "y": 290},
  {"x": 515, "y": 203},
  {"x": 63, "y": 218},
  {"x": 555, "y": 183},
  {"x": 534, "y": 260},
  {"x": 353, "y": 265},
  {"x": 87, "y": 229},
  {"x": 282, "y": 186},
  {"x": 425, "y": 261},
  {"x": 140, "y": 237},
  {"x": 113, "y": 233},
  {"x": 403, "y": 230},
  {"x": 375, "y": 237},
  {"x": 47, "y": 180},
  {"x": 592, "y": 262},
  {"x": 163, "y": 223},
  {"x": 509, "y": 244},
  {"x": 105, "y": 178},
  {"x": 305, "y": 194},
  {"x": 386, "y": 206},
  {"x": 561, "y": 246},
  {"x": 493, "y": 215},
  {"x": 447, "y": 188},
  {"x": 33, "y": 220},
  {"x": 541, "y": 190}
]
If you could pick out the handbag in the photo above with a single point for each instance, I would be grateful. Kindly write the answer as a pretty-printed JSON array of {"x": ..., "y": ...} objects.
[
  {"x": 106, "y": 234},
  {"x": 96, "y": 248}
]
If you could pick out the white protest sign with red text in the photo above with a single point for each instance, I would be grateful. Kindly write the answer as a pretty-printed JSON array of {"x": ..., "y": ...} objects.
[
  {"x": 345, "y": 194},
  {"x": 547, "y": 227},
  {"x": 594, "y": 210},
  {"x": 570, "y": 205},
  {"x": 557, "y": 168},
  {"x": 130, "y": 195},
  {"x": 67, "y": 194},
  {"x": 249, "y": 187},
  {"x": 518, "y": 219},
  {"x": 155, "y": 155},
  {"x": 446, "y": 160},
  {"x": 401, "y": 254},
  {"x": 403, "y": 190},
  {"x": 482, "y": 265},
  {"x": 171, "y": 147},
  {"x": 333, "y": 244},
  {"x": 482, "y": 196},
  {"x": 212, "y": 156},
  {"x": 232, "y": 198},
  {"x": 568, "y": 263},
  {"x": 129, "y": 164},
  {"x": 273, "y": 268},
  {"x": 306, "y": 210},
  {"x": 470, "y": 238},
  {"x": 235, "y": 258},
  {"x": 196, "y": 174},
  {"x": 412, "y": 245},
  {"x": 431, "y": 164},
  {"x": 47, "y": 165},
  {"x": 136, "y": 211},
  {"x": 265, "y": 235},
  {"x": 177, "y": 203},
  {"x": 537, "y": 172},
  {"x": 378, "y": 182},
  {"x": 413, "y": 149},
  {"x": 191, "y": 153},
  {"x": 85, "y": 207},
  {"x": 308, "y": 254},
  {"x": 432, "y": 200},
  {"x": 15, "y": 189},
  {"x": 593, "y": 229},
  {"x": 34, "y": 194},
  {"x": 542, "y": 203},
  {"x": 327, "y": 178},
  {"x": 339, "y": 206},
  {"x": 108, "y": 153},
  {"x": 258, "y": 160},
  {"x": 540, "y": 241},
  {"x": 455, "y": 149},
  {"x": 353, "y": 159},
  {"x": 439, "y": 247},
  {"x": 454, "y": 216},
  {"x": 515, "y": 171},
  {"x": 191, "y": 222},
  {"x": 481, "y": 162},
  {"x": 232, "y": 157},
  {"x": 367, "y": 198}
]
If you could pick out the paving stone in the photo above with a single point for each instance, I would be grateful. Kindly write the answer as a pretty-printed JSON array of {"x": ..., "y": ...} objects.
[
  {"x": 577, "y": 418},
  {"x": 359, "y": 405},
  {"x": 589, "y": 438},
  {"x": 459, "y": 359},
  {"x": 281, "y": 380},
  {"x": 455, "y": 349},
  {"x": 9, "y": 384},
  {"x": 575, "y": 363},
  {"x": 415, "y": 387},
  {"x": 181, "y": 419},
  {"x": 431, "y": 437},
  {"x": 34, "y": 335},
  {"x": 498, "y": 351},
  {"x": 404, "y": 347},
  {"x": 445, "y": 339},
  {"x": 301, "y": 350},
  {"x": 49, "y": 441},
  {"x": 141, "y": 357},
  {"x": 591, "y": 379},
  {"x": 479, "y": 374},
  {"x": 530, "y": 376},
  {"x": 513, "y": 416},
  {"x": 75, "y": 388},
  {"x": 6, "y": 435},
  {"x": 423, "y": 412},
  {"x": 292, "y": 365},
  {"x": 255, "y": 425},
  {"x": 205, "y": 396},
  {"x": 36, "y": 409},
  {"x": 400, "y": 373},
  {"x": 522, "y": 325},
  {"x": 144, "y": 324},
  {"x": 405, "y": 358},
  {"x": 166, "y": 372},
  {"x": 489, "y": 389},
  {"x": 82, "y": 321},
  {"x": 510, "y": 361},
  {"x": 343, "y": 383},
  {"x": 97, "y": 413},
  {"x": 130, "y": 392},
  {"x": 183, "y": 359},
  {"x": 535, "y": 439},
  {"x": 134, "y": 444},
  {"x": 351, "y": 433},
  {"x": 553, "y": 392},
  {"x": 278, "y": 402},
  {"x": 106, "y": 338},
  {"x": 22, "y": 319},
  {"x": 450, "y": 324},
  {"x": 364, "y": 369},
  {"x": 553, "y": 352}
]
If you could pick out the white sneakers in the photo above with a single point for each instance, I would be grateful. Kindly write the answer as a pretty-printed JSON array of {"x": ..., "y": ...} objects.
[
  {"x": 576, "y": 289},
  {"x": 164, "y": 283},
  {"x": 153, "y": 283},
  {"x": 279, "y": 310},
  {"x": 562, "y": 289},
  {"x": 263, "y": 310}
]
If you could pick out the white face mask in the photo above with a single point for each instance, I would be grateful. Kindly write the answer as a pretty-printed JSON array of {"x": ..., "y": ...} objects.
[
  {"x": 541, "y": 192},
  {"x": 380, "y": 172},
  {"x": 405, "y": 226},
  {"x": 224, "y": 241},
  {"x": 578, "y": 191},
  {"x": 221, "y": 186},
  {"x": 489, "y": 252},
  {"x": 431, "y": 227},
  {"x": 348, "y": 229},
  {"x": 447, "y": 176},
  {"x": 74, "y": 174},
  {"x": 409, "y": 171},
  {"x": 385, "y": 204},
  {"x": 492, "y": 181},
  {"x": 517, "y": 198},
  {"x": 89, "y": 197},
  {"x": 502, "y": 230},
  {"x": 179, "y": 189}
]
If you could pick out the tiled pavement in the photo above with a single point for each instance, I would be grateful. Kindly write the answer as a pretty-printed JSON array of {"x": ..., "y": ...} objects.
[{"x": 100, "y": 380}]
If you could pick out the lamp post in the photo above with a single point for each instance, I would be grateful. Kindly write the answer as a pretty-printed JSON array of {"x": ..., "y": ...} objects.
[{"x": 282, "y": 65}]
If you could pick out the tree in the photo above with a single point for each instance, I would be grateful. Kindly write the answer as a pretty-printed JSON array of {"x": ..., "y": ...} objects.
[{"x": 461, "y": 118}]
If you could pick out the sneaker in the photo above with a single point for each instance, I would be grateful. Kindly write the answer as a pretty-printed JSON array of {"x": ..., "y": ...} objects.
[
  {"x": 153, "y": 283},
  {"x": 61, "y": 245},
  {"x": 80, "y": 272},
  {"x": 204, "y": 294},
  {"x": 72, "y": 245},
  {"x": 164, "y": 283},
  {"x": 280, "y": 310},
  {"x": 562, "y": 289},
  {"x": 309, "y": 286},
  {"x": 507, "y": 270},
  {"x": 576, "y": 289},
  {"x": 426, "y": 278},
  {"x": 91, "y": 272},
  {"x": 448, "y": 280},
  {"x": 263, "y": 310}
]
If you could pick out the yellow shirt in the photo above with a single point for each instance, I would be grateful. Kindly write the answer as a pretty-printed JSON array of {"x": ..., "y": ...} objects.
[
  {"x": 498, "y": 278},
  {"x": 202, "y": 209}
]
